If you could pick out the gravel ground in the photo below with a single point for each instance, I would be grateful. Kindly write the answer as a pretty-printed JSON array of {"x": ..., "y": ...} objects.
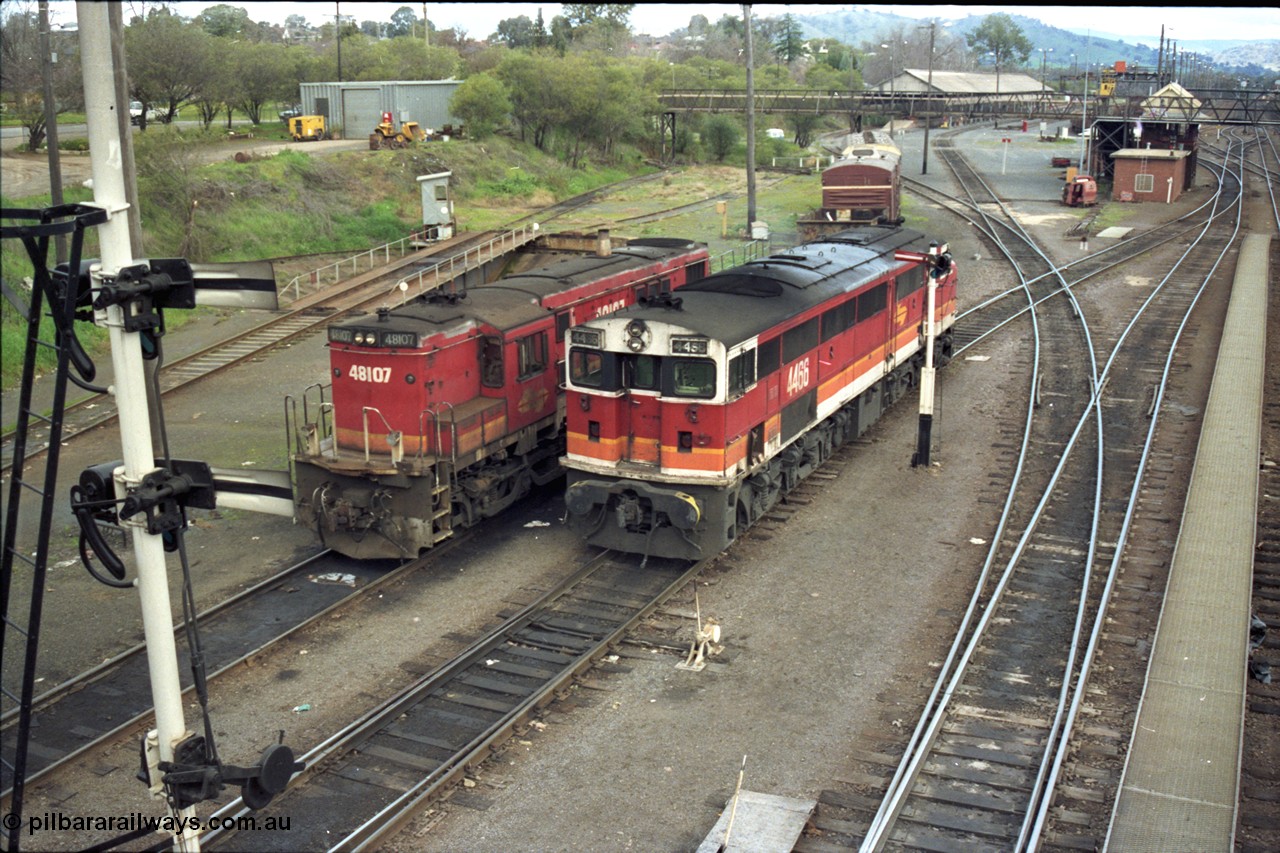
[{"x": 826, "y": 618}]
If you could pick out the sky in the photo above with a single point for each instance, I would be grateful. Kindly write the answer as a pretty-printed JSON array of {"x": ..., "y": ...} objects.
[{"x": 480, "y": 19}]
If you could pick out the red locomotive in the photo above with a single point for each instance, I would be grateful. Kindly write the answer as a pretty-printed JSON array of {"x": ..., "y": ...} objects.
[
  {"x": 447, "y": 409},
  {"x": 690, "y": 418},
  {"x": 863, "y": 187}
]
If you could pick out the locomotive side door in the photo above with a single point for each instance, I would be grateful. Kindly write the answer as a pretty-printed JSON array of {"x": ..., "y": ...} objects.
[{"x": 642, "y": 380}]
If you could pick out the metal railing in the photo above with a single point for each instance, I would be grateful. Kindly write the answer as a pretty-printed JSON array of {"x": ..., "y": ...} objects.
[
  {"x": 334, "y": 272},
  {"x": 429, "y": 278},
  {"x": 740, "y": 255}
]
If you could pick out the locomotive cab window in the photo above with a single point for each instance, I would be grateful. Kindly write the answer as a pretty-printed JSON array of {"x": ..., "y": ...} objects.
[
  {"x": 690, "y": 378},
  {"x": 531, "y": 352},
  {"x": 586, "y": 368},
  {"x": 491, "y": 361},
  {"x": 641, "y": 372},
  {"x": 742, "y": 373}
]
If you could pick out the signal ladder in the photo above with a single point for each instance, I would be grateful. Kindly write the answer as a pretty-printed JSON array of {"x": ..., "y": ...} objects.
[{"x": 24, "y": 563}]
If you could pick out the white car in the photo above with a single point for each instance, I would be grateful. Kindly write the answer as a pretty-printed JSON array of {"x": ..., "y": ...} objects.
[{"x": 135, "y": 113}]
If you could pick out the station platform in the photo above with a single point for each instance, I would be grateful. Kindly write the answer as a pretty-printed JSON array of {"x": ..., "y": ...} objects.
[{"x": 1180, "y": 784}]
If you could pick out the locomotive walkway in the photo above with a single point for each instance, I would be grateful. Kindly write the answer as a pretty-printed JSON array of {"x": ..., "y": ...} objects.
[{"x": 1179, "y": 789}]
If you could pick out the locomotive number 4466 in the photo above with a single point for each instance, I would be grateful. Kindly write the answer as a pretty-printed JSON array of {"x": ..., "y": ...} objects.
[{"x": 798, "y": 378}]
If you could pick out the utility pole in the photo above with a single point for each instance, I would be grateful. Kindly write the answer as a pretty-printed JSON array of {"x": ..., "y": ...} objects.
[
  {"x": 51, "y": 125},
  {"x": 933, "y": 31},
  {"x": 426, "y": 28},
  {"x": 337, "y": 34},
  {"x": 751, "y": 123}
]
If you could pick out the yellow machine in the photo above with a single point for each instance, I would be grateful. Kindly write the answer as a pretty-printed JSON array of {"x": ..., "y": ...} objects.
[
  {"x": 385, "y": 134},
  {"x": 1107, "y": 87},
  {"x": 307, "y": 128}
]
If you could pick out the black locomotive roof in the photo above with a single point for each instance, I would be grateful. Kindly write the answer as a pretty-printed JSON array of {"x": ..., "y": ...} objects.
[{"x": 738, "y": 304}]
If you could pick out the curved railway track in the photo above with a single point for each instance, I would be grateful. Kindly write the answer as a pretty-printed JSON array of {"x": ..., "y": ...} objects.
[{"x": 985, "y": 761}]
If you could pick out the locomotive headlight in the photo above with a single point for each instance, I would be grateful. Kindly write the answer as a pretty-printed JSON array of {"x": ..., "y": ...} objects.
[
  {"x": 635, "y": 329},
  {"x": 635, "y": 344},
  {"x": 360, "y": 337}
]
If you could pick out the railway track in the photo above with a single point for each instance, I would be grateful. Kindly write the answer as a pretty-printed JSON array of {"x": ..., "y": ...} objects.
[
  {"x": 368, "y": 780},
  {"x": 986, "y": 760},
  {"x": 112, "y": 700}
]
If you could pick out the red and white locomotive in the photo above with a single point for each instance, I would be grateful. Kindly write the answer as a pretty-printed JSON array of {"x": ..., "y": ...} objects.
[
  {"x": 688, "y": 418},
  {"x": 448, "y": 408}
]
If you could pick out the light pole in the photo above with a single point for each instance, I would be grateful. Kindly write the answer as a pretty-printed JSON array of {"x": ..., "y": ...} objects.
[
  {"x": 1044, "y": 52},
  {"x": 893, "y": 72}
]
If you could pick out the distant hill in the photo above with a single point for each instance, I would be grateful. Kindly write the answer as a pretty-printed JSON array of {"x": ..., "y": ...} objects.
[{"x": 1068, "y": 49}]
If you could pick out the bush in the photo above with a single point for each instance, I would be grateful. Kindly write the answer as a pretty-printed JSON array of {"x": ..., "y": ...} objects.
[{"x": 721, "y": 136}]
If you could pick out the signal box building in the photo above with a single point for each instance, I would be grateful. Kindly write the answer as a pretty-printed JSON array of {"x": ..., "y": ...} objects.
[
  {"x": 1149, "y": 174},
  {"x": 1169, "y": 121}
]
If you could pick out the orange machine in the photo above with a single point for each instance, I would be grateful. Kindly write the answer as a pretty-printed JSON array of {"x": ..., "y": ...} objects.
[{"x": 1080, "y": 191}]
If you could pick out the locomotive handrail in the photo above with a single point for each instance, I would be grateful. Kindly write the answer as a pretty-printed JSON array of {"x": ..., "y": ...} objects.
[
  {"x": 394, "y": 439},
  {"x": 472, "y": 258},
  {"x": 432, "y": 411}
]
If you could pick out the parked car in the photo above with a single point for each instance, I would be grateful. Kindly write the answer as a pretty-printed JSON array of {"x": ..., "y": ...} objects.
[
  {"x": 135, "y": 113},
  {"x": 289, "y": 112}
]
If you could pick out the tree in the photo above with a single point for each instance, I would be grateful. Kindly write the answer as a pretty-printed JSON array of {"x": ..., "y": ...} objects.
[
  {"x": 262, "y": 75},
  {"x": 598, "y": 26},
  {"x": 166, "y": 61},
  {"x": 516, "y": 32},
  {"x": 482, "y": 104},
  {"x": 534, "y": 104},
  {"x": 21, "y": 73},
  {"x": 721, "y": 134},
  {"x": 1000, "y": 36},
  {"x": 224, "y": 21},
  {"x": 788, "y": 44},
  {"x": 403, "y": 22}
]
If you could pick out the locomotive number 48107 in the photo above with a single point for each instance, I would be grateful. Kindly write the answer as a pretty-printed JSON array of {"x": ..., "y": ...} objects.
[
  {"x": 798, "y": 378},
  {"x": 365, "y": 373}
]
